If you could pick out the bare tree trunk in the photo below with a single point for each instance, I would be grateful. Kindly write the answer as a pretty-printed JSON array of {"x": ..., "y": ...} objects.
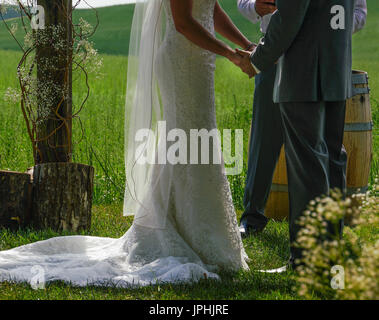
[
  {"x": 54, "y": 75},
  {"x": 62, "y": 191}
]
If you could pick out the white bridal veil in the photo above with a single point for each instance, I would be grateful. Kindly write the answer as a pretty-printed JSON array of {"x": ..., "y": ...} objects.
[{"x": 148, "y": 176}]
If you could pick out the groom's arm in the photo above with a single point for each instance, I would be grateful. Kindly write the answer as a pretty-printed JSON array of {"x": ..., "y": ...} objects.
[
  {"x": 360, "y": 15},
  {"x": 284, "y": 26},
  {"x": 247, "y": 9}
]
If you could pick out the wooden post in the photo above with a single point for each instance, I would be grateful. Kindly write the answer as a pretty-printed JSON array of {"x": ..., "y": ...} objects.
[{"x": 54, "y": 83}]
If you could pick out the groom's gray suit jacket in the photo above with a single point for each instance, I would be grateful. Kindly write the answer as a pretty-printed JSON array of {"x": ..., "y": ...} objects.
[{"x": 314, "y": 59}]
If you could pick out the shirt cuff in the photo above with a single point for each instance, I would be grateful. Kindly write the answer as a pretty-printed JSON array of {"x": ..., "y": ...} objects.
[
  {"x": 247, "y": 9},
  {"x": 255, "y": 68}
]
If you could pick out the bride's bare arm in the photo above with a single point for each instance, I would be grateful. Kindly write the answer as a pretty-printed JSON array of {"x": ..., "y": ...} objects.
[
  {"x": 225, "y": 27},
  {"x": 195, "y": 32}
]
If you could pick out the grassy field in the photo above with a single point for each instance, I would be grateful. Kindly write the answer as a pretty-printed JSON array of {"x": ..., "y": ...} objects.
[
  {"x": 266, "y": 250},
  {"x": 103, "y": 147}
]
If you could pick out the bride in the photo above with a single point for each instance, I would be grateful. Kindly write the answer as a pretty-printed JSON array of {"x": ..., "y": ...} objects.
[{"x": 185, "y": 226}]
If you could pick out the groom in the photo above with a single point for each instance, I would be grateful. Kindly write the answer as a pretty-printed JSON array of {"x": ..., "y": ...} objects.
[
  {"x": 312, "y": 49},
  {"x": 266, "y": 128}
]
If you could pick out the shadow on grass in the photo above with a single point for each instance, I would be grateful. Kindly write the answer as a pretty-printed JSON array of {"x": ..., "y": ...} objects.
[{"x": 270, "y": 248}]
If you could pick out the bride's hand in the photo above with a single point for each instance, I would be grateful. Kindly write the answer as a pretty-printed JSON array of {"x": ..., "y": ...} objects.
[
  {"x": 234, "y": 57},
  {"x": 241, "y": 60},
  {"x": 245, "y": 64}
]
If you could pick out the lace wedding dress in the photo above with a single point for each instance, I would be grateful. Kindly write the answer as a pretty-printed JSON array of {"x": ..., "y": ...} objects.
[{"x": 200, "y": 236}]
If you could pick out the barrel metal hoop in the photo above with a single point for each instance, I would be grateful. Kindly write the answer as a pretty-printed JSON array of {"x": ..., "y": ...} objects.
[
  {"x": 275, "y": 187},
  {"x": 359, "y": 126},
  {"x": 359, "y": 78},
  {"x": 357, "y": 91},
  {"x": 355, "y": 190}
]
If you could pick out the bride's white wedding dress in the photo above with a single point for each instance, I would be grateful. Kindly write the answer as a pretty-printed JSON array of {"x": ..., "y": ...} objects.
[{"x": 201, "y": 234}]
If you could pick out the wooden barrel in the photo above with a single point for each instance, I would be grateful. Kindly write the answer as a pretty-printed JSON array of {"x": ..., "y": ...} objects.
[
  {"x": 357, "y": 142},
  {"x": 358, "y": 135},
  {"x": 277, "y": 206}
]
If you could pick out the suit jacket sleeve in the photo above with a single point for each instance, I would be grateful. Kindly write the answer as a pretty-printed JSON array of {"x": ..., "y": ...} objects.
[
  {"x": 284, "y": 26},
  {"x": 360, "y": 15}
]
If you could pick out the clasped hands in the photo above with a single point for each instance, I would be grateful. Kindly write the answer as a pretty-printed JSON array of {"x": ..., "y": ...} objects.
[{"x": 241, "y": 58}]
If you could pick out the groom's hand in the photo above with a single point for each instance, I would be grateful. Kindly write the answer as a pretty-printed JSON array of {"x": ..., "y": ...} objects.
[
  {"x": 264, "y": 7},
  {"x": 245, "y": 63}
]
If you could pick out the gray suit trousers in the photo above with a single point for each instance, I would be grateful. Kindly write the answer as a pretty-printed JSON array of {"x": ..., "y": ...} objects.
[
  {"x": 266, "y": 140},
  {"x": 316, "y": 159}
]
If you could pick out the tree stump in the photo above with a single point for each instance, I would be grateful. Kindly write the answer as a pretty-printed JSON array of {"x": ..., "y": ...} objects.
[
  {"x": 15, "y": 199},
  {"x": 62, "y": 196}
]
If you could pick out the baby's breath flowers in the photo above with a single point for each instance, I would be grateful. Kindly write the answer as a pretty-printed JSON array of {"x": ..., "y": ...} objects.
[
  {"x": 88, "y": 55},
  {"x": 12, "y": 96},
  {"x": 323, "y": 249}
]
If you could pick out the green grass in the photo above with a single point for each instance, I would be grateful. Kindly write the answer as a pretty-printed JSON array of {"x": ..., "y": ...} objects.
[
  {"x": 266, "y": 250},
  {"x": 103, "y": 147},
  {"x": 366, "y": 57}
]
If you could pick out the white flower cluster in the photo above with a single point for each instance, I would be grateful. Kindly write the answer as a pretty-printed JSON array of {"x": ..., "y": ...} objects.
[
  {"x": 12, "y": 95},
  {"x": 88, "y": 57},
  {"x": 323, "y": 249},
  {"x": 86, "y": 29},
  {"x": 51, "y": 36}
]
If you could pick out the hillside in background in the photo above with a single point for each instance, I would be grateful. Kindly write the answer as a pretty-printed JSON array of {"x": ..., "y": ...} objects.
[
  {"x": 10, "y": 13},
  {"x": 112, "y": 36}
]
